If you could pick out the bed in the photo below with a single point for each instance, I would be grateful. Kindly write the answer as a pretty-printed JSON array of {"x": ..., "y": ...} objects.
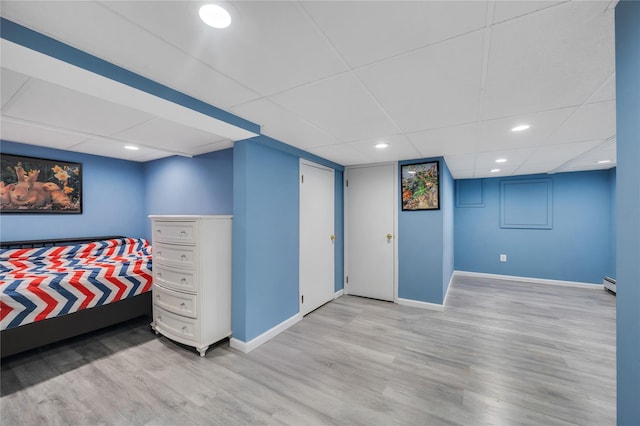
[{"x": 52, "y": 290}]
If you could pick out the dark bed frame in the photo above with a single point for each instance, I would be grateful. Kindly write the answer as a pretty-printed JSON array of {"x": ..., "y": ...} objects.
[{"x": 33, "y": 335}]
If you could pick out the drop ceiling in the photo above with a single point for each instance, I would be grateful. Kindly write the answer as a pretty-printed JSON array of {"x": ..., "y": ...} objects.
[{"x": 429, "y": 78}]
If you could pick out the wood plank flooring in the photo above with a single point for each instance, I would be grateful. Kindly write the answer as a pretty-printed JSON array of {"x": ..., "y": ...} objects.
[{"x": 502, "y": 353}]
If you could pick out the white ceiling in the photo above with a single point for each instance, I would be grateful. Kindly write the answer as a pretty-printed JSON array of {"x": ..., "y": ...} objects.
[{"x": 430, "y": 78}]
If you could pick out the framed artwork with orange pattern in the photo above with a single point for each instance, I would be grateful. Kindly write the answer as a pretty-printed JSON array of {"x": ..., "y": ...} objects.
[
  {"x": 420, "y": 186},
  {"x": 38, "y": 185}
]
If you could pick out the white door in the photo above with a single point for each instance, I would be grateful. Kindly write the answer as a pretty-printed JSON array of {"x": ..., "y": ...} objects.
[
  {"x": 316, "y": 236},
  {"x": 370, "y": 226}
]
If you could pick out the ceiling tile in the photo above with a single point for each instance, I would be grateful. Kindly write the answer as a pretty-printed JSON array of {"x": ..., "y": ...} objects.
[
  {"x": 607, "y": 92},
  {"x": 342, "y": 154},
  {"x": 496, "y": 134},
  {"x": 464, "y": 174},
  {"x": 104, "y": 33},
  {"x": 461, "y": 162},
  {"x": 555, "y": 156},
  {"x": 433, "y": 87},
  {"x": 553, "y": 58},
  {"x": 115, "y": 149},
  {"x": 455, "y": 140},
  {"x": 34, "y": 135},
  {"x": 515, "y": 158},
  {"x": 211, "y": 147},
  {"x": 67, "y": 109},
  {"x": 275, "y": 38},
  {"x": 589, "y": 122},
  {"x": 484, "y": 172},
  {"x": 271, "y": 118},
  {"x": 388, "y": 28},
  {"x": 399, "y": 148},
  {"x": 286, "y": 65},
  {"x": 505, "y": 10},
  {"x": 167, "y": 135},
  {"x": 339, "y": 106},
  {"x": 533, "y": 169},
  {"x": 589, "y": 159},
  {"x": 179, "y": 38},
  {"x": 10, "y": 83}
]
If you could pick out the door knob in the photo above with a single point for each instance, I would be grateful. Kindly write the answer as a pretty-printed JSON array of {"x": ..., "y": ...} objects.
[
  {"x": 333, "y": 238},
  {"x": 389, "y": 236}
]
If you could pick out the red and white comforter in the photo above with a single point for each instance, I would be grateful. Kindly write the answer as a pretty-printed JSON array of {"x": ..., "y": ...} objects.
[{"x": 41, "y": 283}]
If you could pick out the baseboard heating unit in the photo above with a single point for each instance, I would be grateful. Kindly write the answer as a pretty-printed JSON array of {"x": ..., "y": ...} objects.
[{"x": 610, "y": 284}]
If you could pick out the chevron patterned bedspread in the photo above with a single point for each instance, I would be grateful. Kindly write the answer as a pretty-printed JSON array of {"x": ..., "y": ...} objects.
[{"x": 41, "y": 283}]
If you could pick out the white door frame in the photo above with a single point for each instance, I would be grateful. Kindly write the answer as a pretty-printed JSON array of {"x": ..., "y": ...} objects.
[
  {"x": 395, "y": 225},
  {"x": 328, "y": 169}
]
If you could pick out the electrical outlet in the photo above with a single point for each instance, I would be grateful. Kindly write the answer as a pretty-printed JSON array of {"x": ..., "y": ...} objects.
[{"x": 503, "y": 258}]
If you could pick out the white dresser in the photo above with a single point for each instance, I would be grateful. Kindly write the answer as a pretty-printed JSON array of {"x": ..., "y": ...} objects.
[{"x": 192, "y": 278}]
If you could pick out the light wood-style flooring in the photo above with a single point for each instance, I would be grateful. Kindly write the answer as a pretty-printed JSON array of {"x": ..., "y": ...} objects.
[{"x": 502, "y": 353}]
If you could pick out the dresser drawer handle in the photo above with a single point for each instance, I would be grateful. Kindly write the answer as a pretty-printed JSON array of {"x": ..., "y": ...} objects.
[
  {"x": 158, "y": 231},
  {"x": 183, "y": 280},
  {"x": 158, "y": 252},
  {"x": 183, "y": 257},
  {"x": 184, "y": 328},
  {"x": 159, "y": 274},
  {"x": 182, "y": 305},
  {"x": 183, "y": 233}
]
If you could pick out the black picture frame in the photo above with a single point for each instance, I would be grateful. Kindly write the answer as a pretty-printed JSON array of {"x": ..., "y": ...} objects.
[
  {"x": 39, "y": 185},
  {"x": 420, "y": 186}
]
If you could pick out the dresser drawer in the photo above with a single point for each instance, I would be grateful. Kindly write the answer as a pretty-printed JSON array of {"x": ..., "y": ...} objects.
[
  {"x": 182, "y": 256},
  {"x": 179, "y": 328},
  {"x": 176, "y": 279},
  {"x": 174, "y": 232},
  {"x": 174, "y": 301}
]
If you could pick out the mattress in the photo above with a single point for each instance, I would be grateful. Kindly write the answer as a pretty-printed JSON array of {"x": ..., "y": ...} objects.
[{"x": 41, "y": 283}]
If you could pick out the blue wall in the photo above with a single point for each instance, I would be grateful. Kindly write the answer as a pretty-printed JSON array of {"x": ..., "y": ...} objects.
[
  {"x": 198, "y": 185},
  {"x": 425, "y": 245},
  {"x": 628, "y": 218},
  {"x": 113, "y": 200},
  {"x": 575, "y": 249},
  {"x": 266, "y": 234},
  {"x": 265, "y": 238}
]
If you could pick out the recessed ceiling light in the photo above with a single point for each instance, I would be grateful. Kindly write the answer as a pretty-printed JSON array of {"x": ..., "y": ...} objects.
[
  {"x": 382, "y": 145},
  {"x": 131, "y": 147},
  {"x": 215, "y": 16},
  {"x": 520, "y": 128},
  {"x": 501, "y": 160},
  {"x": 604, "y": 161},
  {"x": 495, "y": 170}
]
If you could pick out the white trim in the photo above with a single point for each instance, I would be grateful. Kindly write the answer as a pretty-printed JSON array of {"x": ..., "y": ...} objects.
[
  {"x": 427, "y": 305},
  {"x": 316, "y": 165},
  {"x": 338, "y": 293},
  {"x": 421, "y": 305},
  {"x": 347, "y": 225},
  {"x": 246, "y": 347},
  {"x": 444, "y": 300},
  {"x": 530, "y": 280}
]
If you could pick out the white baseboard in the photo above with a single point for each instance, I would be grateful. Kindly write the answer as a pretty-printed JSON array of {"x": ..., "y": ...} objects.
[
  {"x": 421, "y": 305},
  {"x": 246, "y": 347},
  {"x": 577, "y": 284},
  {"x": 427, "y": 305},
  {"x": 338, "y": 293},
  {"x": 444, "y": 300}
]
